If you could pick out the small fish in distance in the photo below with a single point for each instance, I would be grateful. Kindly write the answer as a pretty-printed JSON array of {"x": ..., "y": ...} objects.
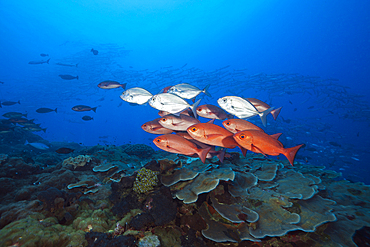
[
  {"x": 81, "y": 108},
  {"x": 64, "y": 150},
  {"x": 14, "y": 115},
  {"x": 67, "y": 64},
  {"x": 37, "y": 145},
  {"x": 45, "y": 110},
  {"x": 95, "y": 52},
  {"x": 108, "y": 84},
  {"x": 87, "y": 118},
  {"x": 9, "y": 103},
  {"x": 44, "y": 55},
  {"x": 39, "y": 62},
  {"x": 68, "y": 77}
]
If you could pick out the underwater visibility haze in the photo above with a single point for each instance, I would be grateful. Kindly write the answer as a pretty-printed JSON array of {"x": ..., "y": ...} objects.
[{"x": 184, "y": 123}]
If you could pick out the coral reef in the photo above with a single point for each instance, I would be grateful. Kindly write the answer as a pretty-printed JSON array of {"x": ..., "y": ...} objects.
[
  {"x": 145, "y": 180},
  {"x": 80, "y": 160}
]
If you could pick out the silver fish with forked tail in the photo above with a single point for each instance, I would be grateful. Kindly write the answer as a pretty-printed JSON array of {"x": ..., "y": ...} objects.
[
  {"x": 171, "y": 103},
  {"x": 187, "y": 91},
  {"x": 136, "y": 95},
  {"x": 242, "y": 108}
]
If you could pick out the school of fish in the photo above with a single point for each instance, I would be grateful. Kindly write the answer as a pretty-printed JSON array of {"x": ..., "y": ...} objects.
[{"x": 181, "y": 131}]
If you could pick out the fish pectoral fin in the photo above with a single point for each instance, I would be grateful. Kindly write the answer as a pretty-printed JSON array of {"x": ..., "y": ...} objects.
[
  {"x": 256, "y": 149},
  {"x": 173, "y": 149}
]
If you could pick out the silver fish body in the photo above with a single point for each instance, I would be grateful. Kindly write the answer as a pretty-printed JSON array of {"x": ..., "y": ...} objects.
[
  {"x": 136, "y": 95},
  {"x": 171, "y": 103},
  {"x": 242, "y": 108},
  {"x": 187, "y": 91},
  {"x": 178, "y": 123}
]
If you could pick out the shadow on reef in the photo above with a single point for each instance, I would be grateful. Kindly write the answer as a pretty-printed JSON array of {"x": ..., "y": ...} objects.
[{"x": 131, "y": 195}]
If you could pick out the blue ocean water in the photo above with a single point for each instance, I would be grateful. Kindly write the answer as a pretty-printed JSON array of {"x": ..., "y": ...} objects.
[{"x": 312, "y": 58}]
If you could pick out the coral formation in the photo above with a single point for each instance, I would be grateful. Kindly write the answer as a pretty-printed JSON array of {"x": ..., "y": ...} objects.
[
  {"x": 80, "y": 160},
  {"x": 145, "y": 180}
]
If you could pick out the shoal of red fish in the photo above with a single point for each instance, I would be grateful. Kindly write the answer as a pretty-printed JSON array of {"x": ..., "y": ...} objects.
[{"x": 182, "y": 133}]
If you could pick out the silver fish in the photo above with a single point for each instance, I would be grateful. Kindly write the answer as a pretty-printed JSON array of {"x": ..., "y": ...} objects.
[
  {"x": 37, "y": 145},
  {"x": 39, "y": 62},
  {"x": 187, "y": 91},
  {"x": 171, "y": 103},
  {"x": 136, "y": 95},
  {"x": 242, "y": 108}
]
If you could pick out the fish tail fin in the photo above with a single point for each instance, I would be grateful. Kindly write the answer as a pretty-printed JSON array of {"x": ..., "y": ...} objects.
[
  {"x": 276, "y": 136},
  {"x": 56, "y": 110},
  {"x": 205, "y": 90},
  {"x": 48, "y": 60},
  {"x": 202, "y": 153},
  {"x": 276, "y": 112},
  {"x": 194, "y": 106},
  {"x": 123, "y": 85},
  {"x": 264, "y": 114},
  {"x": 26, "y": 142},
  {"x": 291, "y": 152},
  {"x": 77, "y": 77},
  {"x": 94, "y": 109},
  {"x": 211, "y": 121},
  {"x": 44, "y": 130}
]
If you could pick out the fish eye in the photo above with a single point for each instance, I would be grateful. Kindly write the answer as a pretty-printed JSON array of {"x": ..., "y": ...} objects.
[
  {"x": 193, "y": 129},
  {"x": 199, "y": 109},
  {"x": 144, "y": 125},
  {"x": 242, "y": 136},
  {"x": 227, "y": 123},
  {"x": 158, "y": 140},
  {"x": 164, "y": 119}
]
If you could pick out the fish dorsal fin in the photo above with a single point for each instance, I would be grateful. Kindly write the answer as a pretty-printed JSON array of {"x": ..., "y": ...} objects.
[{"x": 276, "y": 136}]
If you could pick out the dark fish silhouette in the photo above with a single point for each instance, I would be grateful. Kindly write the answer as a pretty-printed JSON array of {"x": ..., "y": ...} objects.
[
  {"x": 14, "y": 115},
  {"x": 45, "y": 110},
  {"x": 9, "y": 103},
  {"x": 2, "y": 82},
  {"x": 111, "y": 84},
  {"x": 87, "y": 118},
  {"x": 64, "y": 150},
  {"x": 335, "y": 144},
  {"x": 84, "y": 108},
  {"x": 68, "y": 77},
  {"x": 311, "y": 107},
  {"x": 44, "y": 55},
  {"x": 67, "y": 64},
  {"x": 39, "y": 62},
  {"x": 95, "y": 52}
]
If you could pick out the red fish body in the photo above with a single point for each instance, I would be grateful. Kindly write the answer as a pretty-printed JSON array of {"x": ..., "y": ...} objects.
[
  {"x": 176, "y": 144},
  {"x": 262, "y": 106},
  {"x": 236, "y": 125},
  {"x": 154, "y": 127},
  {"x": 260, "y": 142},
  {"x": 214, "y": 135},
  {"x": 213, "y": 112}
]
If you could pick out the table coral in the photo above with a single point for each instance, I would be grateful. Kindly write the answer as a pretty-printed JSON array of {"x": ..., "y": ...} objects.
[
  {"x": 80, "y": 160},
  {"x": 203, "y": 183}
]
